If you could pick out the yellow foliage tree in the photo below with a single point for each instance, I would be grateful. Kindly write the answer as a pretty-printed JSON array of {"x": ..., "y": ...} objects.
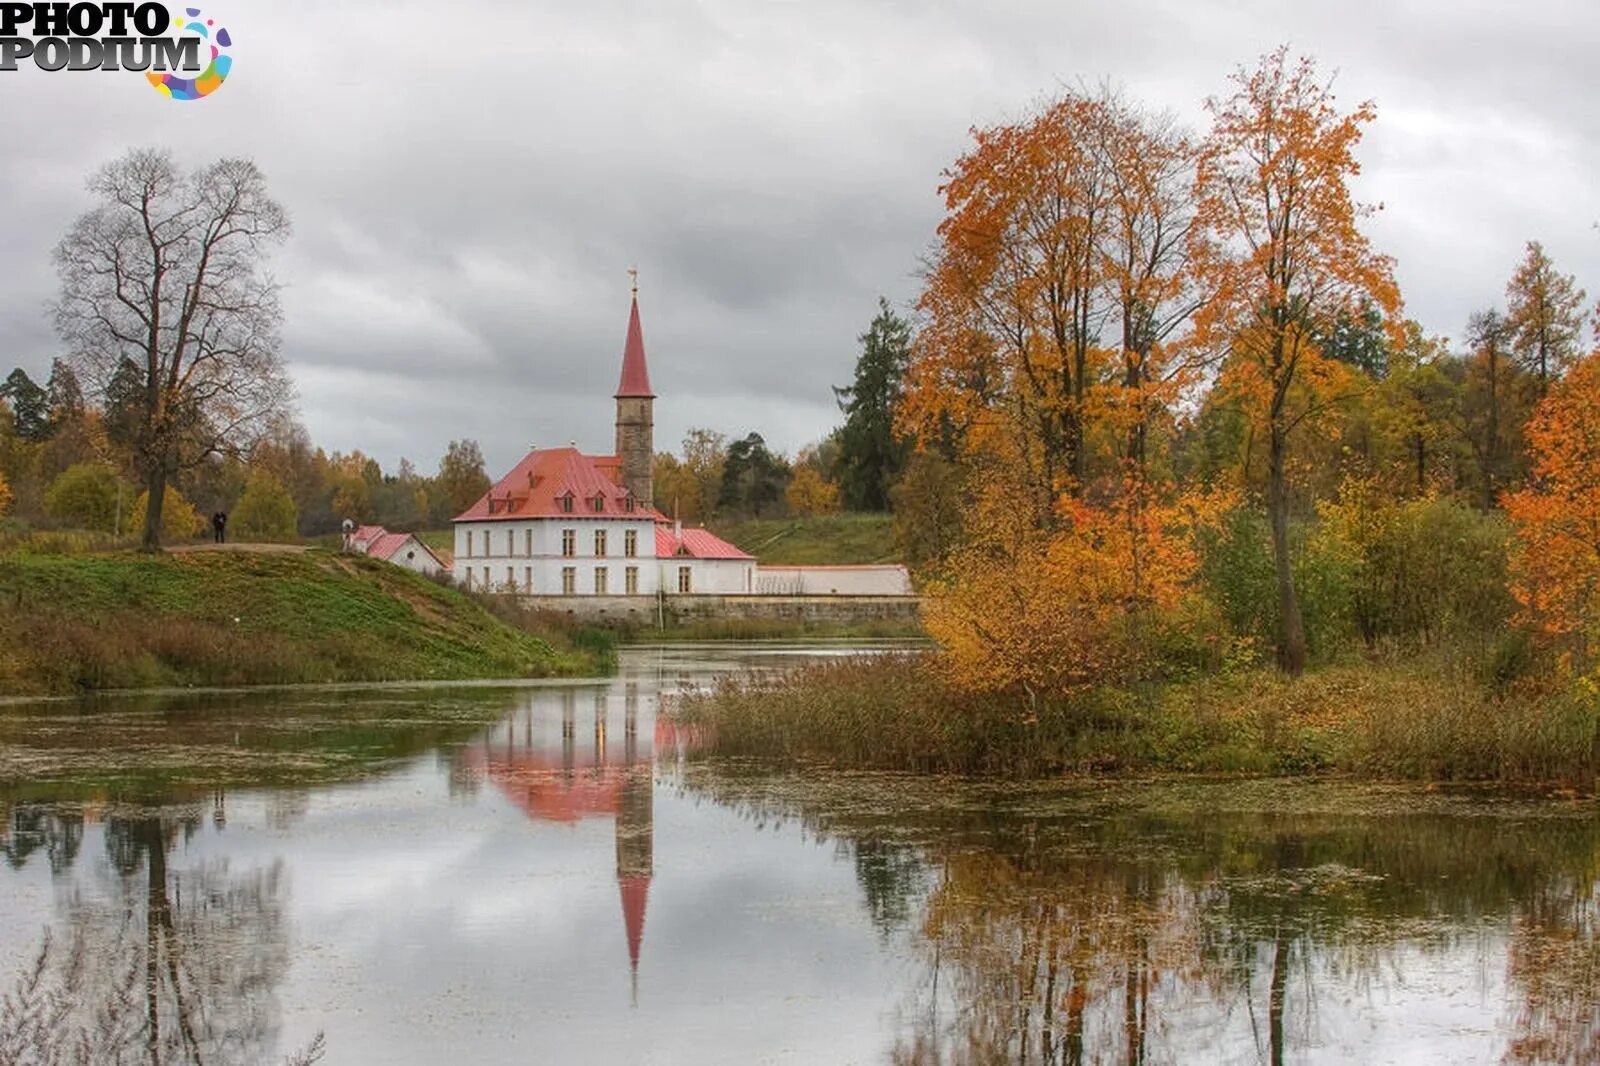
[
  {"x": 1051, "y": 611},
  {"x": 179, "y": 519},
  {"x": 5, "y": 494},
  {"x": 809, "y": 493}
]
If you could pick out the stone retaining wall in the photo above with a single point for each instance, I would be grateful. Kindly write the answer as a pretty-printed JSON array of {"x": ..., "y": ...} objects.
[{"x": 645, "y": 610}]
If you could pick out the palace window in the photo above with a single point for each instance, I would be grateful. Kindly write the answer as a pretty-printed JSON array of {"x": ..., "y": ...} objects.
[
  {"x": 684, "y": 581},
  {"x": 511, "y": 542},
  {"x": 527, "y": 580},
  {"x": 600, "y": 542},
  {"x": 527, "y": 542},
  {"x": 569, "y": 580},
  {"x": 599, "y": 581},
  {"x": 566, "y": 503},
  {"x": 630, "y": 580},
  {"x": 627, "y": 504},
  {"x": 511, "y": 579},
  {"x": 630, "y": 543},
  {"x": 599, "y": 502},
  {"x": 569, "y": 543},
  {"x": 469, "y": 547}
]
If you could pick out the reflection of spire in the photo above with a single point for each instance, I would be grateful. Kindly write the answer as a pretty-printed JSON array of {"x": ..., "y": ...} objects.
[
  {"x": 635, "y": 847},
  {"x": 569, "y": 728}
]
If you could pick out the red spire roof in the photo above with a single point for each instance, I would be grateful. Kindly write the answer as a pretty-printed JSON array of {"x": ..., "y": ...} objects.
[
  {"x": 635, "y": 377},
  {"x": 635, "y": 898}
]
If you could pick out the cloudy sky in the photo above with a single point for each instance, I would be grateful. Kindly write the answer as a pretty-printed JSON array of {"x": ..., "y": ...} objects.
[{"x": 470, "y": 183}]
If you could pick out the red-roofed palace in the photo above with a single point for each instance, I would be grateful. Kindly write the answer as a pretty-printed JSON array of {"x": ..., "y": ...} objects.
[{"x": 566, "y": 523}]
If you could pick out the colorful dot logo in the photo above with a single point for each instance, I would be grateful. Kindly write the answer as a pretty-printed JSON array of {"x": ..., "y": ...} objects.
[{"x": 210, "y": 79}]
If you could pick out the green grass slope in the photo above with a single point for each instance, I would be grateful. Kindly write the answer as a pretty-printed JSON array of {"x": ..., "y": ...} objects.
[
  {"x": 838, "y": 539},
  {"x": 121, "y": 620}
]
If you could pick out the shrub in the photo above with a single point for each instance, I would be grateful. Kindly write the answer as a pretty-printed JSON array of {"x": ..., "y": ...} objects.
[
  {"x": 179, "y": 519},
  {"x": 85, "y": 496},
  {"x": 1417, "y": 569}
]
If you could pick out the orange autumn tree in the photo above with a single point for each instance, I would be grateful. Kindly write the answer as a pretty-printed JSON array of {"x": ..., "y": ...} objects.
[
  {"x": 1287, "y": 258},
  {"x": 1056, "y": 310},
  {"x": 1147, "y": 265},
  {"x": 1556, "y": 564},
  {"x": 1007, "y": 356}
]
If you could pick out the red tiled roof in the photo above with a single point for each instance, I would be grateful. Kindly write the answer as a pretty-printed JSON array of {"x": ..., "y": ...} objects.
[
  {"x": 635, "y": 377},
  {"x": 697, "y": 544},
  {"x": 385, "y": 544},
  {"x": 535, "y": 486},
  {"x": 368, "y": 533}
]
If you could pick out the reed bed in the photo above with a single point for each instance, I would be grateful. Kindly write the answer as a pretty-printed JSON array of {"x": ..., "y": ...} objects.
[{"x": 1426, "y": 719}]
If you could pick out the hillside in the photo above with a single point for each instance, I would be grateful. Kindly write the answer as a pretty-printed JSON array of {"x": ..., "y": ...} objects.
[
  {"x": 819, "y": 540},
  {"x": 121, "y": 620}
]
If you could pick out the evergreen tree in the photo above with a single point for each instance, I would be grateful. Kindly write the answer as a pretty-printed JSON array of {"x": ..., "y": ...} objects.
[
  {"x": 870, "y": 455},
  {"x": 753, "y": 479},
  {"x": 30, "y": 406},
  {"x": 63, "y": 394}
]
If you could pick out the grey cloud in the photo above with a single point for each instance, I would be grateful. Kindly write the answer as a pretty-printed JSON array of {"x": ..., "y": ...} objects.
[{"x": 468, "y": 189}]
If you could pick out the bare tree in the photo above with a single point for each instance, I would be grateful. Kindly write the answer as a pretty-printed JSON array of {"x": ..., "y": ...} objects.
[{"x": 169, "y": 313}]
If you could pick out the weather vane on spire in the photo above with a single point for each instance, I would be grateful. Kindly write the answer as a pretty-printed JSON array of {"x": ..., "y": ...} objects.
[{"x": 633, "y": 272}]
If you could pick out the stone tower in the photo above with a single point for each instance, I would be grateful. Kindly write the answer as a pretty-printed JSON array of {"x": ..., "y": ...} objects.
[{"x": 635, "y": 415}]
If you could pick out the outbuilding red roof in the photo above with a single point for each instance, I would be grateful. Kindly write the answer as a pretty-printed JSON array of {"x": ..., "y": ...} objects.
[
  {"x": 537, "y": 486},
  {"x": 694, "y": 543},
  {"x": 384, "y": 545},
  {"x": 635, "y": 376}
]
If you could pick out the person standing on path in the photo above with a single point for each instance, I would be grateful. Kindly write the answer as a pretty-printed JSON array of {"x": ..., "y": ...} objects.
[{"x": 219, "y": 527}]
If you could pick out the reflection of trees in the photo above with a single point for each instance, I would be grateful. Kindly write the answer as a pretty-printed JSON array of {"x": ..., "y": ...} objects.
[
  {"x": 1047, "y": 958},
  {"x": 1555, "y": 964},
  {"x": 1048, "y": 943},
  {"x": 892, "y": 878},
  {"x": 163, "y": 966},
  {"x": 31, "y": 826},
  {"x": 1064, "y": 927}
]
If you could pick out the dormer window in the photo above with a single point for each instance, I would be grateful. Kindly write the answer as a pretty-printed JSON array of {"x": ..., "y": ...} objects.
[
  {"x": 627, "y": 504},
  {"x": 599, "y": 502},
  {"x": 565, "y": 500}
]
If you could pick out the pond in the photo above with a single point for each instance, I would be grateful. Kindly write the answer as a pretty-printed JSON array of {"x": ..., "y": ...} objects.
[{"x": 543, "y": 872}]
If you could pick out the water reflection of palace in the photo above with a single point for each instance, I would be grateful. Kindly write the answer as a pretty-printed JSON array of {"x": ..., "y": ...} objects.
[{"x": 563, "y": 758}]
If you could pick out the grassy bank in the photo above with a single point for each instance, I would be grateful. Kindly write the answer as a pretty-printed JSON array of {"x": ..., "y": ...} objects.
[
  {"x": 1425, "y": 719},
  {"x": 820, "y": 540},
  {"x": 75, "y": 622}
]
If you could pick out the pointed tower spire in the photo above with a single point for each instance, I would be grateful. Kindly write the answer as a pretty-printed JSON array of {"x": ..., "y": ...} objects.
[
  {"x": 635, "y": 380},
  {"x": 635, "y": 412}
]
